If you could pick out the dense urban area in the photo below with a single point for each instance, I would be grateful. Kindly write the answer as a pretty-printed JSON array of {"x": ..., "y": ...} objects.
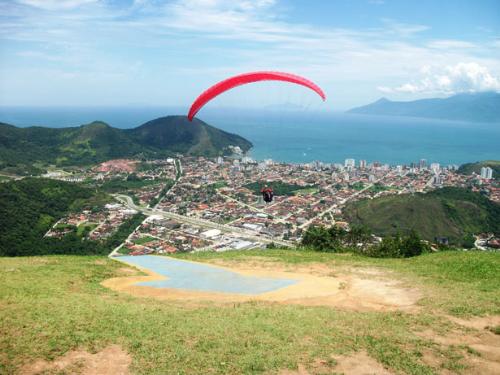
[{"x": 196, "y": 203}]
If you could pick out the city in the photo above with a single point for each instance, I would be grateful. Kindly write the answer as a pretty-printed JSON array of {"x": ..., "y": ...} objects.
[{"x": 197, "y": 204}]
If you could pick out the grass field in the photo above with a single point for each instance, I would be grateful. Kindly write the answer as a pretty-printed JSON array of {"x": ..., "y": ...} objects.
[{"x": 53, "y": 304}]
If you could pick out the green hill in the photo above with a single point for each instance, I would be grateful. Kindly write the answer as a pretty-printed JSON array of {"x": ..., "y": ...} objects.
[
  {"x": 469, "y": 168},
  {"x": 29, "y": 207},
  {"x": 447, "y": 212},
  {"x": 178, "y": 134},
  {"x": 97, "y": 142}
]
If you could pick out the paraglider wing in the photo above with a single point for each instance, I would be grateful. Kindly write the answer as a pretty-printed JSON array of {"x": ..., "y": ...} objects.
[{"x": 245, "y": 78}]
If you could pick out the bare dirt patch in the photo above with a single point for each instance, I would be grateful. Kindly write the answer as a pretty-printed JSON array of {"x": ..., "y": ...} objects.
[
  {"x": 479, "y": 323},
  {"x": 480, "y": 348},
  {"x": 111, "y": 360},
  {"x": 317, "y": 285},
  {"x": 127, "y": 271},
  {"x": 358, "y": 363}
]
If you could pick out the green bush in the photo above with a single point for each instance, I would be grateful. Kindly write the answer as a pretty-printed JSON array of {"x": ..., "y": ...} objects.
[{"x": 334, "y": 239}]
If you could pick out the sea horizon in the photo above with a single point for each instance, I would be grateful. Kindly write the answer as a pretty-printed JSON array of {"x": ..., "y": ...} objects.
[{"x": 302, "y": 136}]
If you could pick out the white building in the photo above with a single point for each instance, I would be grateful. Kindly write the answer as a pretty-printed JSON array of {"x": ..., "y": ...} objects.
[
  {"x": 435, "y": 167},
  {"x": 362, "y": 164},
  {"x": 486, "y": 173},
  {"x": 212, "y": 233},
  {"x": 349, "y": 163}
]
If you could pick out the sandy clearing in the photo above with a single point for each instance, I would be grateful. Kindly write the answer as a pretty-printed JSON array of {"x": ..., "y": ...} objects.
[
  {"x": 367, "y": 291},
  {"x": 111, "y": 360}
]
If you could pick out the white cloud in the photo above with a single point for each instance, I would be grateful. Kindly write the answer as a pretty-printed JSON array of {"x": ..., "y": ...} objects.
[
  {"x": 56, "y": 4},
  {"x": 450, "y": 44},
  {"x": 462, "y": 77}
]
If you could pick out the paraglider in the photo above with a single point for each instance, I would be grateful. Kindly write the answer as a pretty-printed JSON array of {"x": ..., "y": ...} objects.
[
  {"x": 245, "y": 78},
  {"x": 267, "y": 194}
]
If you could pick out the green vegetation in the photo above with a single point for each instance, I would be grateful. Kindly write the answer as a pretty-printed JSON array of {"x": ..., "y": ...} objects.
[
  {"x": 97, "y": 142},
  {"x": 144, "y": 240},
  {"x": 168, "y": 185},
  {"x": 43, "y": 319},
  {"x": 218, "y": 185},
  {"x": 123, "y": 232},
  {"x": 130, "y": 182},
  {"x": 279, "y": 187},
  {"x": 178, "y": 134},
  {"x": 29, "y": 207},
  {"x": 449, "y": 212},
  {"x": 358, "y": 186},
  {"x": 84, "y": 229},
  {"x": 378, "y": 187},
  {"x": 468, "y": 168},
  {"x": 338, "y": 240}
]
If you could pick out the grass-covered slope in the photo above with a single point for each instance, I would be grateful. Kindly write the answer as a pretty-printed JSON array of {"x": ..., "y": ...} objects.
[
  {"x": 447, "y": 212},
  {"x": 96, "y": 142},
  {"x": 52, "y": 305},
  {"x": 468, "y": 168}
]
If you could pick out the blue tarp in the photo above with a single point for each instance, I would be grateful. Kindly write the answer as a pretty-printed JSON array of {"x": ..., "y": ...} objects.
[{"x": 186, "y": 275}]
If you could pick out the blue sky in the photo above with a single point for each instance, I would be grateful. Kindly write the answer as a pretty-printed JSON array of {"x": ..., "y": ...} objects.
[{"x": 152, "y": 52}]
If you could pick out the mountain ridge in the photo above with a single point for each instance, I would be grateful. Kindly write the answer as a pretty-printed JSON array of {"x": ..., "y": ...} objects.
[
  {"x": 97, "y": 141},
  {"x": 478, "y": 107}
]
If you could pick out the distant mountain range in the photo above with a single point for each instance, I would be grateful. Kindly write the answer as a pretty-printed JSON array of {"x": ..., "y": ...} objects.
[
  {"x": 477, "y": 107},
  {"x": 98, "y": 141}
]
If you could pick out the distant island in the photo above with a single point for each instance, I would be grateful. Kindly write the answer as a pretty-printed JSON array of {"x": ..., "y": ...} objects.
[
  {"x": 476, "y": 107},
  {"x": 21, "y": 148}
]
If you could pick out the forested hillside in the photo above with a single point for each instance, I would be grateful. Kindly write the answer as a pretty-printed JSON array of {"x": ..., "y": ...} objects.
[
  {"x": 29, "y": 207},
  {"x": 449, "y": 212}
]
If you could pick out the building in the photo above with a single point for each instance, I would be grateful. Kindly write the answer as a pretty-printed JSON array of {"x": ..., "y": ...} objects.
[
  {"x": 362, "y": 164},
  {"x": 435, "y": 167},
  {"x": 486, "y": 173},
  {"x": 437, "y": 180},
  {"x": 212, "y": 233},
  {"x": 349, "y": 163},
  {"x": 422, "y": 163}
]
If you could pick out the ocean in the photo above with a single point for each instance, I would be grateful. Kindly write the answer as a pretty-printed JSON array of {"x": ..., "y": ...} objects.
[{"x": 304, "y": 136}]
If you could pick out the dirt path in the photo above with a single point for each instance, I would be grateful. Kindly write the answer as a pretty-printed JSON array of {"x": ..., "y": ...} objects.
[{"x": 111, "y": 360}]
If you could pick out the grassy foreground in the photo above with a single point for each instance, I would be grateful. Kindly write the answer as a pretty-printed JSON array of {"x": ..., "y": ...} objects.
[{"x": 52, "y": 304}]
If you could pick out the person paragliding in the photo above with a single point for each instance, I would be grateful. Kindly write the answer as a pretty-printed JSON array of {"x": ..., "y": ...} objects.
[{"x": 267, "y": 194}]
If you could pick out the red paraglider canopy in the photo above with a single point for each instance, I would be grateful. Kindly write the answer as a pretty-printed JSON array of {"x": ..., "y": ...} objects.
[{"x": 245, "y": 78}]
